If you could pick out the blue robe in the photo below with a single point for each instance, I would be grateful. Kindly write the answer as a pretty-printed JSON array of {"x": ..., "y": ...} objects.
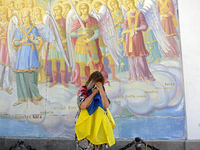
[
  {"x": 27, "y": 58},
  {"x": 27, "y": 66}
]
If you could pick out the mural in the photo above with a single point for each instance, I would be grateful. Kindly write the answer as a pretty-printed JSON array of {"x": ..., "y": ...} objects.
[{"x": 49, "y": 48}]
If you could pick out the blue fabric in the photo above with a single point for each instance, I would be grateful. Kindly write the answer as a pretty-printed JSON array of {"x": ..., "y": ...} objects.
[
  {"x": 97, "y": 102},
  {"x": 27, "y": 58}
]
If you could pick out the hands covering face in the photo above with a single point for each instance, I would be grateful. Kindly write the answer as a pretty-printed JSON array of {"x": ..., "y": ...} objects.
[{"x": 99, "y": 87}]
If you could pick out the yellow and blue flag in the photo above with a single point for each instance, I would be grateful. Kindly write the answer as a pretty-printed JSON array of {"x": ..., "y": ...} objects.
[{"x": 95, "y": 123}]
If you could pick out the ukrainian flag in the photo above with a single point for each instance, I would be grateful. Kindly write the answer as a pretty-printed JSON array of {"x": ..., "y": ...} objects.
[{"x": 96, "y": 124}]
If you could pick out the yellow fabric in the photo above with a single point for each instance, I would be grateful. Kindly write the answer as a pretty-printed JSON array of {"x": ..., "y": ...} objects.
[
  {"x": 82, "y": 69},
  {"x": 29, "y": 70},
  {"x": 3, "y": 29},
  {"x": 174, "y": 20},
  {"x": 164, "y": 4},
  {"x": 41, "y": 42},
  {"x": 42, "y": 77},
  {"x": 54, "y": 65},
  {"x": 62, "y": 64},
  {"x": 111, "y": 61},
  {"x": 97, "y": 128},
  {"x": 26, "y": 35},
  {"x": 131, "y": 27},
  {"x": 91, "y": 68},
  {"x": 164, "y": 8},
  {"x": 80, "y": 46},
  {"x": 117, "y": 19}
]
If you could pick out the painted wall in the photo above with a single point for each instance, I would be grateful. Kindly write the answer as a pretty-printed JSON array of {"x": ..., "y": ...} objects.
[
  {"x": 154, "y": 110},
  {"x": 189, "y": 23}
]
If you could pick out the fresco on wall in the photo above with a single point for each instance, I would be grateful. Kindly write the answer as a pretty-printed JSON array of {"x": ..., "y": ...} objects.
[{"x": 49, "y": 48}]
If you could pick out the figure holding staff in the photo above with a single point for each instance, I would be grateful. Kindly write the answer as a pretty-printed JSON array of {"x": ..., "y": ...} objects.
[{"x": 84, "y": 38}]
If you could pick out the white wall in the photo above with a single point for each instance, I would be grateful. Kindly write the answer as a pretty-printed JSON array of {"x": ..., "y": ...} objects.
[{"x": 189, "y": 14}]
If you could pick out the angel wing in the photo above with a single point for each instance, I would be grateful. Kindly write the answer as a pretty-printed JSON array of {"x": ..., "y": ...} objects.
[
  {"x": 12, "y": 27},
  {"x": 69, "y": 22},
  {"x": 150, "y": 11},
  {"x": 108, "y": 32},
  {"x": 52, "y": 35}
]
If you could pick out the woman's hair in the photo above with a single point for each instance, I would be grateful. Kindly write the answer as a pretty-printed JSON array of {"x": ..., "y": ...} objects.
[{"x": 94, "y": 77}]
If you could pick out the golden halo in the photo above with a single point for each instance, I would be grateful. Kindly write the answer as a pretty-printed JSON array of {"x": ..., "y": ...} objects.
[
  {"x": 10, "y": 1},
  {"x": 57, "y": 4},
  {"x": 80, "y": 3},
  {"x": 109, "y": 6},
  {"x": 9, "y": 11},
  {"x": 66, "y": 3},
  {"x": 63, "y": 4},
  {"x": 100, "y": 1},
  {"x": 3, "y": 3},
  {"x": 15, "y": 4},
  {"x": 38, "y": 7},
  {"x": 59, "y": 1},
  {"x": 22, "y": 11},
  {"x": 124, "y": 3}
]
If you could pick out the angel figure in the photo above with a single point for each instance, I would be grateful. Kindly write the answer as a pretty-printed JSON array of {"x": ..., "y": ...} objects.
[
  {"x": 38, "y": 13},
  {"x": 67, "y": 8},
  {"x": 19, "y": 4},
  {"x": 6, "y": 70},
  {"x": 56, "y": 56},
  {"x": 84, "y": 38},
  {"x": 11, "y": 5},
  {"x": 152, "y": 46},
  {"x": 24, "y": 41},
  {"x": 150, "y": 41},
  {"x": 117, "y": 16},
  {"x": 135, "y": 49},
  {"x": 48, "y": 30},
  {"x": 108, "y": 40},
  {"x": 169, "y": 23}
]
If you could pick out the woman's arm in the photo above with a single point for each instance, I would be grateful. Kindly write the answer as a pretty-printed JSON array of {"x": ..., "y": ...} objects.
[
  {"x": 104, "y": 98},
  {"x": 86, "y": 103}
]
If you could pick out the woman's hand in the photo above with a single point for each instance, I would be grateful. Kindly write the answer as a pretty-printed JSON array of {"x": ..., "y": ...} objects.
[
  {"x": 95, "y": 91},
  {"x": 99, "y": 86}
]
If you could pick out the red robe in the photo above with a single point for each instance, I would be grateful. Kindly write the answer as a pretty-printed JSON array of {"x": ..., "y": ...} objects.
[
  {"x": 4, "y": 55},
  {"x": 138, "y": 68},
  {"x": 138, "y": 46},
  {"x": 168, "y": 26},
  {"x": 76, "y": 78}
]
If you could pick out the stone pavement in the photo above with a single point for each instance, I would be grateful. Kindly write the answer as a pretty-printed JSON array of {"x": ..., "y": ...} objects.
[{"x": 69, "y": 144}]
